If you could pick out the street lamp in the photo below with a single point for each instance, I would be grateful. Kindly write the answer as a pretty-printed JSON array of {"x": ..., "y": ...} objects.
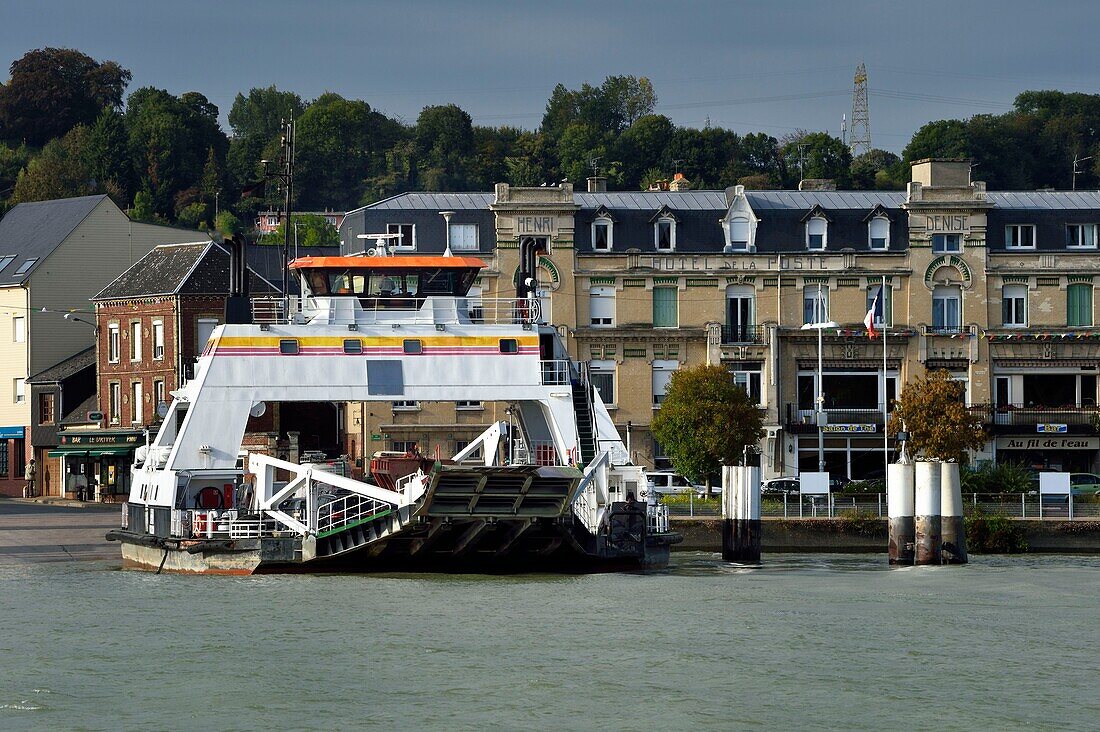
[
  {"x": 819, "y": 326},
  {"x": 447, "y": 224}
]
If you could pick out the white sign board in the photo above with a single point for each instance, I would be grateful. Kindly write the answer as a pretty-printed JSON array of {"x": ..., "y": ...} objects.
[
  {"x": 1054, "y": 484},
  {"x": 814, "y": 484}
]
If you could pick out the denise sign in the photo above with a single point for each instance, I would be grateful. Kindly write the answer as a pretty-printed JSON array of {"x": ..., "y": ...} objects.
[{"x": 1060, "y": 429}]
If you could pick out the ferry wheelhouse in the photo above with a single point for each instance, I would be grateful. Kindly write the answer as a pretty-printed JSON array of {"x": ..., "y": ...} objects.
[{"x": 551, "y": 488}]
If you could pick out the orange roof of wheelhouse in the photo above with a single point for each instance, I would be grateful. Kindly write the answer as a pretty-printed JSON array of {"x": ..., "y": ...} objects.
[{"x": 392, "y": 262}]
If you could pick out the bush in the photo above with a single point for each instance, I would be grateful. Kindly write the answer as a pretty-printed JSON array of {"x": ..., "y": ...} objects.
[
  {"x": 864, "y": 486},
  {"x": 994, "y": 534},
  {"x": 990, "y": 478}
]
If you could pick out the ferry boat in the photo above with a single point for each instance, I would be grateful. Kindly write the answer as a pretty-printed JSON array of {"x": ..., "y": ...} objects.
[{"x": 552, "y": 488}]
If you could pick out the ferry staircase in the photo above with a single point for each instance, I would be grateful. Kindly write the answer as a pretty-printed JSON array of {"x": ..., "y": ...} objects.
[
  {"x": 351, "y": 522},
  {"x": 585, "y": 414}
]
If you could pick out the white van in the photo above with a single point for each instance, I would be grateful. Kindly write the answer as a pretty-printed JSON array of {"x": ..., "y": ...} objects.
[{"x": 666, "y": 482}]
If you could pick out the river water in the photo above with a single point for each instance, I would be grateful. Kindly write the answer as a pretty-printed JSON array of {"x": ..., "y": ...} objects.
[{"x": 809, "y": 641}]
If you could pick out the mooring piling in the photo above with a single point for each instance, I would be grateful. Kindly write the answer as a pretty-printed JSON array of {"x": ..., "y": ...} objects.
[
  {"x": 929, "y": 535},
  {"x": 741, "y": 514},
  {"x": 899, "y": 509},
  {"x": 951, "y": 508}
]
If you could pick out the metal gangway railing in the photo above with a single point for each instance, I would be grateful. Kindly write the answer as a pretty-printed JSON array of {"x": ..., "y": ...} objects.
[{"x": 337, "y": 513}]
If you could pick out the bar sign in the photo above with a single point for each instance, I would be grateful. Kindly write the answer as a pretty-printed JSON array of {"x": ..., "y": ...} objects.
[{"x": 1059, "y": 429}]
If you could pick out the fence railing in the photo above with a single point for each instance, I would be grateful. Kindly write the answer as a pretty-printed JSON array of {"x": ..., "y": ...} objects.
[
  {"x": 343, "y": 511},
  {"x": 833, "y": 505},
  {"x": 438, "y": 309},
  {"x": 555, "y": 373},
  {"x": 732, "y": 334},
  {"x": 806, "y": 418},
  {"x": 1030, "y": 415}
]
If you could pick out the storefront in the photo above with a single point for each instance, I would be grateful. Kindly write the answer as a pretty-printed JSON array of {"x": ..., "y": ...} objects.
[
  {"x": 96, "y": 464},
  {"x": 1071, "y": 454},
  {"x": 852, "y": 451},
  {"x": 13, "y": 448}
]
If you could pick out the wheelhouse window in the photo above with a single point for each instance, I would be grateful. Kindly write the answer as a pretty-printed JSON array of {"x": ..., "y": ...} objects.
[
  {"x": 878, "y": 233},
  {"x": 662, "y": 375},
  {"x": 739, "y": 232},
  {"x": 391, "y": 283},
  {"x": 601, "y": 306},
  {"x": 1079, "y": 305},
  {"x": 665, "y": 313},
  {"x": 602, "y": 233},
  {"x": 602, "y": 374},
  {"x": 1020, "y": 236},
  {"x": 407, "y": 233},
  {"x": 1014, "y": 306},
  {"x": 464, "y": 238},
  {"x": 112, "y": 343},
  {"x": 946, "y": 243},
  {"x": 288, "y": 346},
  {"x": 664, "y": 234},
  {"x": 817, "y": 233},
  {"x": 946, "y": 309},
  {"x": 815, "y": 304},
  {"x": 1081, "y": 236}
]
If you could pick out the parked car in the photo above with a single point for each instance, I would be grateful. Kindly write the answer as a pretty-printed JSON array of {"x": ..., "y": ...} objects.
[
  {"x": 1084, "y": 484},
  {"x": 666, "y": 482},
  {"x": 780, "y": 487}
]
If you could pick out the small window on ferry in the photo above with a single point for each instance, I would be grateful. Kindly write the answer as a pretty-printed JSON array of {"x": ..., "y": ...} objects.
[
  {"x": 288, "y": 346},
  {"x": 353, "y": 346},
  {"x": 413, "y": 346},
  {"x": 509, "y": 345}
]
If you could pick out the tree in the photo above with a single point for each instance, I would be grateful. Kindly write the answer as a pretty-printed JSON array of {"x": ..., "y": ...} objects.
[
  {"x": 818, "y": 155},
  {"x": 945, "y": 138},
  {"x": 262, "y": 112},
  {"x": 643, "y": 143},
  {"x": 866, "y": 168},
  {"x": 933, "y": 411},
  {"x": 706, "y": 421},
  {"x": 109, "y": 155},
  {"x": 312, "y": 231},
  {"x": 444, "y": 137},
  {"x": 228, "y": 224},
  {"x": 61, "y": 170},
  {"x": 52, "y": 90}
]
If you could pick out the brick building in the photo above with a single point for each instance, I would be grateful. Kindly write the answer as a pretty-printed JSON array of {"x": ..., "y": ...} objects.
[{"x": 995, "y": 287}]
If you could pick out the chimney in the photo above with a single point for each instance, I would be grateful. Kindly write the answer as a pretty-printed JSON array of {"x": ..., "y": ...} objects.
[
  {"x": 679, "y": 183},
  {"x": 817, "y": 184},
  {"x": 597, "y": 184}
]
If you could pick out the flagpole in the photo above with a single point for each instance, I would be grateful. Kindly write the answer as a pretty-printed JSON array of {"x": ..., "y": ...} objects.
[{"x": 885, "y": 392}]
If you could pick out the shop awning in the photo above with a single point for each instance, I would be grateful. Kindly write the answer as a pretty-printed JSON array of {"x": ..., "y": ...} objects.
[
  {"x": 74, "y": 451},
  {"x": 85, "y": 450},
  {"x": 110, "y": 451}
]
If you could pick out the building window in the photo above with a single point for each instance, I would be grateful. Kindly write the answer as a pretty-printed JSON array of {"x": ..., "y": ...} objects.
[
  {"x": 946, "y": 309},
  {"x": 5, "y": 261},
  {"x": 137, "y": 403},
  {"x": 602, "y": 375},
  {"x": 664, "y": 235},
  {"x": 159, "y": 394},
  {"x": 406, "y": 405},
  {"x": 407, "y": 447},
  {"x": 19, "y": 329},
  {"x": 46, "y": 411},
  {"x": 601, "y": 306},
  {"x": 19, "y": 391},
  {"x": 1020, "y": 236},
  {"x": 1014, "y": 306},
  {"x": 289, "y": 346},
  {"x": 878, "y": 233},
  {"x": 1081, "y": 236},
  {"x": 412, "y": 346},
  {"x": 204, "y": 329},
  {"x": 602, "y": 233},
  {"x": 158, "y": 340},
  {"x": 884, "y": 311},
  {"x": 1079, "y": 306},
  {"x": 353, "y": 346},
  {"x": 815, "y": 304},
  {"x": 26, "y": 266},
  {"x": 662, "y": 375},
  {"x": 738, "y": 231},
  {"x": 509, "y": 345},
  {"x": 135, "y": 341},
  {"x": 817, "y": 233},
  {"x": 407, "y": 232},
  {"x": 946, "y": 243},
  {"x": 750, "y": 382},
  {"x": 665, "y": 313},
  {"x": 464, "y": 237},
  {"x": 112, "y": 343},
  {"x": 114, "y": 402},
  {"x": 469, "y": 404}
]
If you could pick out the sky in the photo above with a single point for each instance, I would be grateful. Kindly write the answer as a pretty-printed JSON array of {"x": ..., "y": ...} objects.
[{"x": 772, "y": 66}]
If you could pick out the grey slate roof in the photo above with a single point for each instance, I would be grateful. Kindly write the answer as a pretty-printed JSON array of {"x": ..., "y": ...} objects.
[
  {"x": 199, "y": 268},
  {"x": 35, "y": 230},
  {"x": 63, "y": 370}
]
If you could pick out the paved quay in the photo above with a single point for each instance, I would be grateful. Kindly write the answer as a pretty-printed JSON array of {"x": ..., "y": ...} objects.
[{"x": 33, "y": 532}]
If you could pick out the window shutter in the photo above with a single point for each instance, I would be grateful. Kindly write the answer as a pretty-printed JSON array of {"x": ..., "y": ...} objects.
[
  {"x": 664, "y": 307},
  {"x": 601, "y": 305}
]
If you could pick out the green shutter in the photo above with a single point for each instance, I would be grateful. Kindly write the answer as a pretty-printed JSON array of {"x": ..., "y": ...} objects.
[
  {"x": 1079, "y": 306},
  {"x": 664, "y": 307}
]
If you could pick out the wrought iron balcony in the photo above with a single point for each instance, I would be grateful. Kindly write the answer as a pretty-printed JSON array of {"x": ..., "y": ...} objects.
[
  {"x": 740, "y": 334},
  {"x": 860, "y": 419},
  {"x": 1040, "y": 419}
]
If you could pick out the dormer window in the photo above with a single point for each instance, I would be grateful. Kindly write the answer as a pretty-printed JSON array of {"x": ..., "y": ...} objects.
[
  {"x": 602, "y": 234},
  {"x": 739, "y": 232},
  {"x": 878, "y": 233},
  {"x": 664, "y": 234},
  {"x": 817, "y": 233}
]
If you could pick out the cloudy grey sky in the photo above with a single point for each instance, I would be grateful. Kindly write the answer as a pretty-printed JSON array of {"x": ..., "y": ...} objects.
[{"x": 769, "y": 66}]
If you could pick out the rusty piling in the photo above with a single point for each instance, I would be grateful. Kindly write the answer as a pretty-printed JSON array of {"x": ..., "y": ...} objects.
[
  {"x": 927, "y": 521},
  {"x": 899, "y": 507}
]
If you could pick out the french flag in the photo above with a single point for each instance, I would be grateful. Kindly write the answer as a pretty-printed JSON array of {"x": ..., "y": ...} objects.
[{"x": 875, "y": 310}]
